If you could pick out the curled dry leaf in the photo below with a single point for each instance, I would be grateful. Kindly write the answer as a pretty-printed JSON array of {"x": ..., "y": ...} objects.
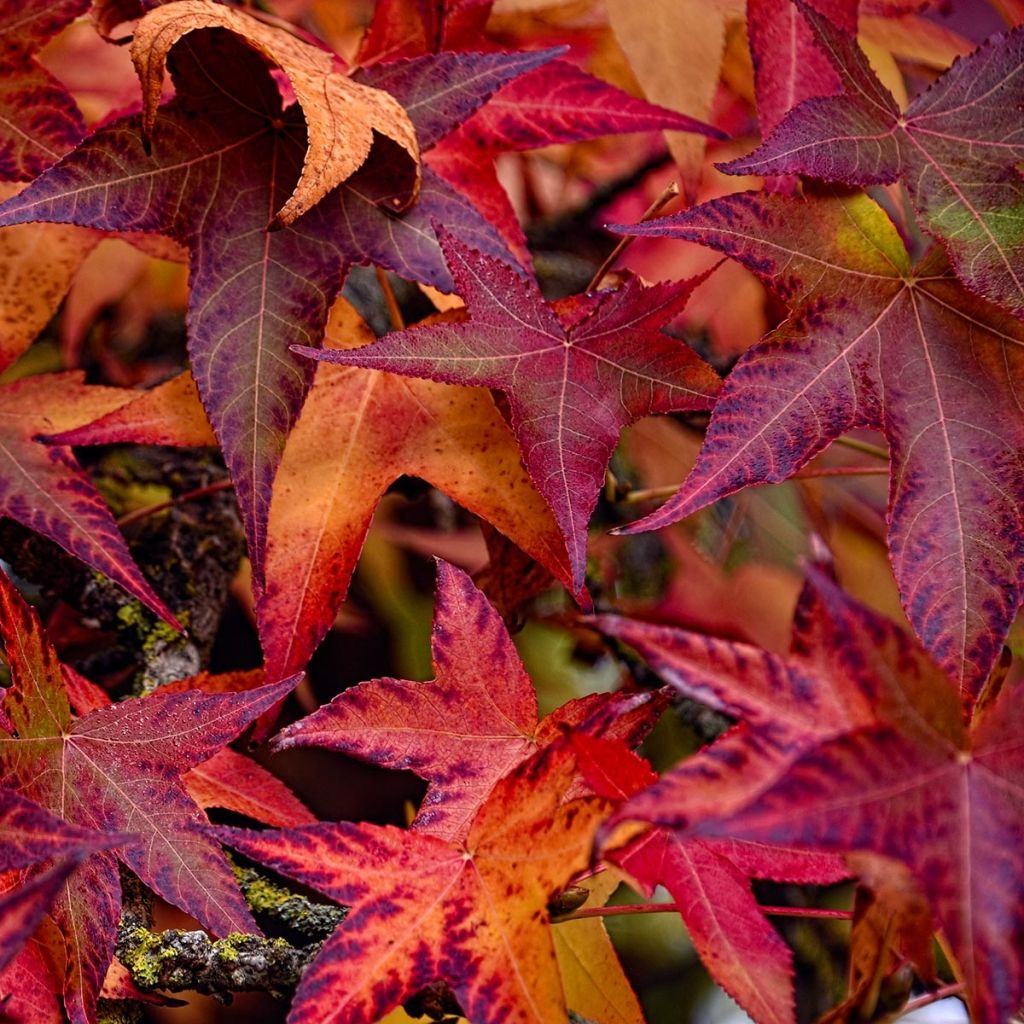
[{"x": 341, "y": 115}]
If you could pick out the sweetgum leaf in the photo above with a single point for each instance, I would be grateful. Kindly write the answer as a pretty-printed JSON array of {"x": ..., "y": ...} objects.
[
  {"x": 911, "y": 782},
  {"x": 409, "y": 28},
  {"x": 341, "y": 115},
  {"x": 39, "y": 121},
  {"x": 359, "y": 431},
  {"x": 43, "y": 487},
  {"x": 956, "y": 147},
  {"x": 117, "y": 770},
  {"x": 556, "y": 103},
  {"x": 875, "y": 342},
  {"x": 473, "y": 914},
  {"x": 710, "y": 882},
  {"x": 228, "y": 780},
  {"x": 788, "y": 66},
  {"x": 468, "y": 727},
  {"x": 575, "y": 374},
  {"x": 225, "y": 157}
]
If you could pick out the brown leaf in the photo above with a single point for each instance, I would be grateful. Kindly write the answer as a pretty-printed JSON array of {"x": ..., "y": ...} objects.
[{"x": 341, "y": 115}]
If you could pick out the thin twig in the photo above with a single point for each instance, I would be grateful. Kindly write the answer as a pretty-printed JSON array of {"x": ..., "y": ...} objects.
[
  {"x": 650, "y": 213},
  {"x": 955, "y": 989},
  {"x": 160, "y": 506},
  {"x": 669, "y": 908},
  {"x": 651, "y": 493},
  {"x": 394, "y": 312},
  {"x": 864, "y": 448}
]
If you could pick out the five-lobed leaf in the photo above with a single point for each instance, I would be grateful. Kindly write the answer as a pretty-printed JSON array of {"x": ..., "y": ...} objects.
[
  {"x": 117, "y": 770},
  {"x": 575, "y": 373},
  {"x": 901, "y": 776},
  {"x": 358, "y": 432},
  {"x": 468, "y": 727},
  {"x": 874, "y": 342},
  {"x": 710, "y": 883},
  {"x": 472, "y": 914},
  {"x": 224, "y": 159},
  {"x": 957, "y": 147},
  {"x": 341, "y": 115}
]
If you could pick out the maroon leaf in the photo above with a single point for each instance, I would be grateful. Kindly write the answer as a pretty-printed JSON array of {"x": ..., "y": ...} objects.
[
  {"x": 873, "y": 341},
  {"x": 117, "y": 770},
  {"x": 788, "y": 67},
  {"x": 39, "y": 121},
  {"x": 902, "y": 776},
  {"x": 575, "y": 374},
  {"x": 710, "y": 883},
  {"x": 956, "y": 147},
  {"x": 472, "y": 724},
  {"x": 254, "y": 292}
]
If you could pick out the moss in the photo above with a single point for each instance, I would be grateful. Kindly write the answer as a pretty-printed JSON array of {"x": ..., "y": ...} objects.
[
  {"x": 144, "y": 954},
  {"x": 311, "y": 921}
]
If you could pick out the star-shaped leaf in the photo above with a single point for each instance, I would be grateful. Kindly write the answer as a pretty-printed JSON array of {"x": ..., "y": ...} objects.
[
  {"x": 710, "y": 883},
  {"x": 224, "y": 159},
  {"x": 358, "y": 432},
  {"x": 903, "y": 776},
  {"x": 471, "y": 914},
  {"x": 575, "y": 373},
  {"x": 956, "y": 147},
  {"x": 875, "y": 342},
  {"x": 468, "y": 727},
  {"x": 43, "y": 487},
  {"x": 39, "y": 121},
  {"x": 117, "y": 770}
]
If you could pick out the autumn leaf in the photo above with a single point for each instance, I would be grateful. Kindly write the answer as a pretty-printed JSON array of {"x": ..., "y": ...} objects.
[
  {"x": 675, "y": 49},
  {"x": 116, "y": 770},
  {"x": 39, "y": 121},
  {"x": 359, "y": 431},
  {"x": 955, "y": 147},
  {"x": 903, "y": 777},
  {"x": 575, "y": 373},
  {"x": 43, "y": 487},
  {"x": 341, "y": 115},
  {"x": 228, "y": 780},
  {"x": 554, "y": 104},
  {"x": 472, "y": 914},
  {"x": 710, "y": 883},
  {"x": 223, "y": 137},
  {"x": 468, "y": 727},
  {"x": 874, "y": 342},
  {"x": 788, "y": 66},
  {"x": 410, "y": 28}
]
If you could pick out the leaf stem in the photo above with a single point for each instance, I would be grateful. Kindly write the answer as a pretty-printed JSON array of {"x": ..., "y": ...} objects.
[
  {"x": 394, "y": 312},
  {"x": 955, "y": 989},
  {"x": 669, "y": 908},
  {"x": 200, "y": 492},
  {"x": 651, "y": 493},
  {"x": 652, "y": 211},
  {"x": 874, "y": 450}
]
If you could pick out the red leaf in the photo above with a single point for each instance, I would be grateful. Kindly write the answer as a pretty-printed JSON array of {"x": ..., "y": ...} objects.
[
  {"x": 709, "y": 881},
  {"x": 39, "y": 120},
  {"x": 910, "y": 782},
  {"x": 473, "y": 914},
  {"x": 117, "y": 770},
  {"x": 873, "y": 341},
  {"x": 254, "y": 292},
  {"x": 575, "y": 373},
  {"x": 43, "y": 488},
  {"x": 788, "y": 67},
  {"x": 359, "y": 431},
  {"x": 956, "y": 147},
  {"x": 471, "y": 725}
]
